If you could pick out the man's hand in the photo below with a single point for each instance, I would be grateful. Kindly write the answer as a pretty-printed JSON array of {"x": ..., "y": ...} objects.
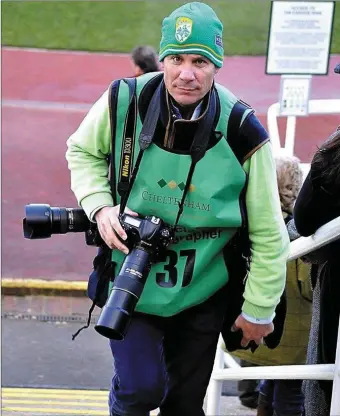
[
  {"x": 110, "y": 228},
  {"x": 252, "y": 332}
]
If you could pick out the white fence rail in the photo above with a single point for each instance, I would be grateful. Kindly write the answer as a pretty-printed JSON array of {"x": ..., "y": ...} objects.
[
  {"x": 324, "y": 235},
  {"x": 327, "y": 106}
]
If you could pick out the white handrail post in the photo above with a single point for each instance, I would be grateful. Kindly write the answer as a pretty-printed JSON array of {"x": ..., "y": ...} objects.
[
  {"x": 303, "y": 245},
  {"x": 273, "y": 128},
  {"x": 214, "y": 390},
  {"x": 229, "y": 361},
  {"x": 290, "y": 135},
  {"x": 325, "y": 106},
  {"x": 335, "y": 404}
]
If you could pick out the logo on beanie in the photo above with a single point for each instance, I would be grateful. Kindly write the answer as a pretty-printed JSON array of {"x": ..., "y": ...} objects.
[
  {"x": 218, "y": 41},
  {"x": 183, "y": 29}
]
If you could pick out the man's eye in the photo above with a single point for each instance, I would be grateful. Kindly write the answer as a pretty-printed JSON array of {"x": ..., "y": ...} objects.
[
  {"x": 176, "y": 58},
  {"x": 200, "y": 62}
]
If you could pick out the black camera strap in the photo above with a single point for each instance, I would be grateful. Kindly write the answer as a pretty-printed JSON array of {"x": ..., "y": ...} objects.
[
  {"x": 113, "y": 100},
  {"x": 128, "y": 144},
  {"x": 199, "y": 147},
  {"x": 145, "y": 139}
]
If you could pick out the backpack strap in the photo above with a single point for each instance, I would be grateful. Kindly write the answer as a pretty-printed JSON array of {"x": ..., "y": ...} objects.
[
  {"x": 238, "y": 146},
  {"x": 244, "y": 140},
  {"x": 240, "y": 149}
]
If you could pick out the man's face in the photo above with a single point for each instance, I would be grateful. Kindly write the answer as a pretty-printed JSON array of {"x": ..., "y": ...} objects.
[{"x": 188, "y": 77}]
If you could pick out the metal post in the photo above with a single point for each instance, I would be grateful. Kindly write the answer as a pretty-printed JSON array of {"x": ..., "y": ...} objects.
[
  {"x": 335, "y": 404},
  {"x": 214, "y": 390},
  {"x": 277, "y": 372},
  {"x": 229, "y": 361},
  {"x": 290, "y": 135}
]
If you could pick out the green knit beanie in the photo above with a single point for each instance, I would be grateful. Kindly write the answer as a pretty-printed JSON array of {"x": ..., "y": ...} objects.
[{"x": 193, "y": 28}]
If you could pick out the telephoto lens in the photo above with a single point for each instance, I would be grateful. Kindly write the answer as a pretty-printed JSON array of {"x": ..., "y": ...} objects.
[
  {"x": 42, "y": 221},
  {"x": 128, "y": 287}
]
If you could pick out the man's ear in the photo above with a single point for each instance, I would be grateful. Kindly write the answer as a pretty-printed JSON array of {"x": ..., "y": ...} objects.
[{"x": 216, "y": 70}]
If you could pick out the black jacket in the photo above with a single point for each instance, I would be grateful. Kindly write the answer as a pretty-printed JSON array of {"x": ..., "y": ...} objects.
[{"x": 315, "y": 207}]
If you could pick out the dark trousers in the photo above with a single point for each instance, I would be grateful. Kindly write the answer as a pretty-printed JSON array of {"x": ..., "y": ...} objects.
[
  {"x": 283, "y": 396},
  {"x": 166, "y": 362},
  {"x": 248, "y": 389}
]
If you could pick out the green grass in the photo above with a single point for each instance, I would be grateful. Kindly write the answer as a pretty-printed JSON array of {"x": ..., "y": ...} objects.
[{"x": 118, "y": 26}]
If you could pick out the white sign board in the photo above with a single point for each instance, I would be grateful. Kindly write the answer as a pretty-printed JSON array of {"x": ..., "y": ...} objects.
[
  {"x": 299, "y": 37},
  {"x": 294, "y": 95}
]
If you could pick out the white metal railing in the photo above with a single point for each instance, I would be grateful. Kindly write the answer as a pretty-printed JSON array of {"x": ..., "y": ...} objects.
[
  {"x": 326, "y": 106},
  {"x": 324, "y": 235},
  {"x": 329, "y": 106},
  {"x": 303, "y": 245}
]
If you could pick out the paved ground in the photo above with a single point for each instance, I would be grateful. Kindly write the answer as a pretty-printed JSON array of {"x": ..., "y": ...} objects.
[
  {"x": 37, "y": 340},
  {"x": 64, "y": 402},
  {"x": 45, "y": 372},
  {"x": 68, "y": 77}
]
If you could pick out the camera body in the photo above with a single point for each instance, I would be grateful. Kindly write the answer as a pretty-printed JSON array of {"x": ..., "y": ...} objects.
[{"x": 149, "y": 233}]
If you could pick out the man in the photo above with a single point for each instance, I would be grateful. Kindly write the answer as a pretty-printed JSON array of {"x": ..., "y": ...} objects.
[
  {"x": 144, "y": 60},
  {"x": 166, "y": 357}
]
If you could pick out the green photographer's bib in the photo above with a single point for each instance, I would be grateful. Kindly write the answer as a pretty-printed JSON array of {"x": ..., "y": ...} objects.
[{"x": 193, "y": 267}]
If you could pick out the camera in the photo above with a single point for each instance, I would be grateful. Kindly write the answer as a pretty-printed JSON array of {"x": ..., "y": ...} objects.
[{"x": 146, "y": 239}]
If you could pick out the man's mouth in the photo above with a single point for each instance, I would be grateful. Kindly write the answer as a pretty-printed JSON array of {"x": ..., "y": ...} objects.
[{"x": 186, "y": 89}]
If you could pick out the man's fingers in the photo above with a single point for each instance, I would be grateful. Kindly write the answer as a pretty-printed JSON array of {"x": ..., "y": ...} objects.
[
  {"x": 245, "y": 342},
  {"x": 117, "y": 227},
  {"x": 116, "y": 242},
  {"x": 108, "y": 234},
  {"x": 128, "y": 211},
  {"x": 246, "y": 339}
]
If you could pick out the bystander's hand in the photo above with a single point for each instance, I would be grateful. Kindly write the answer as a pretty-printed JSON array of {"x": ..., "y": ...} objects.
[
  {"x": 252, "y": 332},
  {"x": 110, "y": 228}
]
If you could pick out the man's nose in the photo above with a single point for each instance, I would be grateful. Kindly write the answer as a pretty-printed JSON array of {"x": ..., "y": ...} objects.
[{"x": 187, "y": 75}]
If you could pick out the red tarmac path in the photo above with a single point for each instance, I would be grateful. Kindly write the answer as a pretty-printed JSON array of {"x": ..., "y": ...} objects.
[{"x": 45, "y": 95}]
